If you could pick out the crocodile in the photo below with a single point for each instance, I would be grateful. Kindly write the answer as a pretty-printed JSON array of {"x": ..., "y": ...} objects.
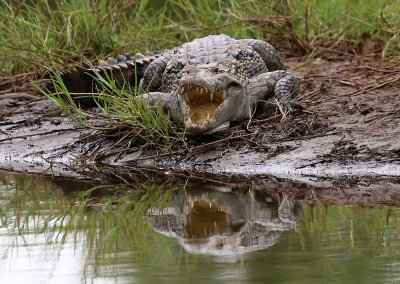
[
  {"x": 204, "y": 84},
  {"x": 217, "y": 221}
]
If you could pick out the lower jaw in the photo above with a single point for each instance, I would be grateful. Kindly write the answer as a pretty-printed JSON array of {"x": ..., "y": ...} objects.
[{"x": 195, "y": 128}]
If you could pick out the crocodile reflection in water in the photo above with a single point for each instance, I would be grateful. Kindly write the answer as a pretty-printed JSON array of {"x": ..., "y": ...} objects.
[{"x": 220, "y": 222}]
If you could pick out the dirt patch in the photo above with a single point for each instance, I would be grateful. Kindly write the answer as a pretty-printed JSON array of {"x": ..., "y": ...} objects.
[{"x": 350, "y": 127}]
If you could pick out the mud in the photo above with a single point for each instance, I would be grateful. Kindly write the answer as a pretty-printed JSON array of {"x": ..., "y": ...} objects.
[{"x": 350, "y": 129}]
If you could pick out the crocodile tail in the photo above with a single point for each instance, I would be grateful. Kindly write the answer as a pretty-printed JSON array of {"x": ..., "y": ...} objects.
[{"x": 124, "y": 69}]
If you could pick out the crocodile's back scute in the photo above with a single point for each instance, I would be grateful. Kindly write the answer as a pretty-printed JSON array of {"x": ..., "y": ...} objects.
[{"x": 230, "y": 55}]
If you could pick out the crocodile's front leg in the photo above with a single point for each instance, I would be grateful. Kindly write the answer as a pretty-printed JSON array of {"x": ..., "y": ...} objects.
[
  {"x": 282, "y": 84},
  {"x": 168, "y": 101},
  {"x": 268, "y": 53}
]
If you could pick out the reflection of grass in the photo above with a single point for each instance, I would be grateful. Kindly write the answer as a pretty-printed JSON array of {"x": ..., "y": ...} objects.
[
  {"x": 359, "y": 225},
  {"x": 109, "y": 225},
  {"x": 345, "y": 240},
  {"x": 37, "y": 33}
]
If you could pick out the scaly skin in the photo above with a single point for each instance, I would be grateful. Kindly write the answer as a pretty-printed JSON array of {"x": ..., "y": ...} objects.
[
  {"x": 207, "y": 217},
  {"x": 209, "y": 82}
]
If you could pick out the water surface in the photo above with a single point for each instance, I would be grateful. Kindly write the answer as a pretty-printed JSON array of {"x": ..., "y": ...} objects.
[{"x": 64, "y": 231}]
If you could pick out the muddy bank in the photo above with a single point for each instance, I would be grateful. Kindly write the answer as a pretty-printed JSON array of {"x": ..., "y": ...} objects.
[{"x": 350, "y": 128}]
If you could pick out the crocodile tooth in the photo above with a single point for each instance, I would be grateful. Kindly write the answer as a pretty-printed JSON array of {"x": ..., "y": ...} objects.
[
  {"x": 211, "y": 95},
  {"x": 197, "y": 89},
  {"x": 208, "y": 118},
  {"x": 224, "y": 95},
  {"x": 201, "y": 91}
]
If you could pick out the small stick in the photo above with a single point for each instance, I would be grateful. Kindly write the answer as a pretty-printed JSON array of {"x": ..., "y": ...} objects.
[
  {"x": 195, "y": 148},
  {"x": 347, "y": 83},
  {"x": 42, "y": 133},
  {"x": 22, "y": 105}
]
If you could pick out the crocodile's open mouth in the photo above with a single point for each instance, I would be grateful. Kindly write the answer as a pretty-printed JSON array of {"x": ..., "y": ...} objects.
[
  {"x": 206, "y": 218},
  {"x": 201, "y": 103}
]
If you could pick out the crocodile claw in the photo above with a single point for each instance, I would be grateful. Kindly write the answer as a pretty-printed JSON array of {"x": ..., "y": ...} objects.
[{"x": 296, "y": 104}]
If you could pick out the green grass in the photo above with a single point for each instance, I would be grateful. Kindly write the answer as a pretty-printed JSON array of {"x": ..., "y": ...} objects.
[{"x": 36, "y": 34}]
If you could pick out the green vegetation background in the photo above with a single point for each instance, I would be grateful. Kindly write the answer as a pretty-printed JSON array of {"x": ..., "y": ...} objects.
[{"x": 36, "y": 34}]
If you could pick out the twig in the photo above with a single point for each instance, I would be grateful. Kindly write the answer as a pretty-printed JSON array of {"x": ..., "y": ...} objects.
[
  {"x": 306, "y": 22},
  {"x": 347, "y": 83},
  {"x": 382, "y": 115},
  {"x": 194, "y": 148},
  {"x": 42, "y": 133},
  {"x": 22, "y": 105},
  {"x": 12, "y": 79},
  {"x": 369, "y": 87},
  {"x": 19, "y": 8},
  {"x": 389, "y": 69}
]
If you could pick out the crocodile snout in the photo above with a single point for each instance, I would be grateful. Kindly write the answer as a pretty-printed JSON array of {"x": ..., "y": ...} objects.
[{"x": 203, "y": 94}]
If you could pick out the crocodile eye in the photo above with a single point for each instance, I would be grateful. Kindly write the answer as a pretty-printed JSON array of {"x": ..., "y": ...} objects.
[
  {"x": 234, "y": 85},
  {"x": 241, "y": 55},
  {"x": 175, "y": 68}
]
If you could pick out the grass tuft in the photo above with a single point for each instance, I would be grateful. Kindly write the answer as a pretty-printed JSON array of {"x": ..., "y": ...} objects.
[{"x": 122, "y": 114}]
